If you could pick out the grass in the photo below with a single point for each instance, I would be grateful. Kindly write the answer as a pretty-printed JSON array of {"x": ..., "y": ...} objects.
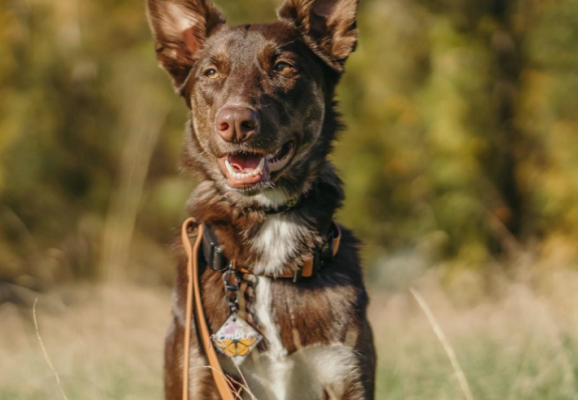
[
  {"x": 519, "y": 343},
  {"x": 104, "y": 343}
]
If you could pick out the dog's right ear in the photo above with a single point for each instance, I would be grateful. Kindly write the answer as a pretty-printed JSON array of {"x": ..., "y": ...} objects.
[{"x": 180, "y": 27}]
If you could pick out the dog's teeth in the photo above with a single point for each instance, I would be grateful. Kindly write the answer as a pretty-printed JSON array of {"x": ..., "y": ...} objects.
[
  {"x": 241, "y": 174},
  {"x": 260, "y": 168},
  {"x": 229, "y": 167},
  {"x": 270, "y": 156},
  {"x": 261, "y": 165}
]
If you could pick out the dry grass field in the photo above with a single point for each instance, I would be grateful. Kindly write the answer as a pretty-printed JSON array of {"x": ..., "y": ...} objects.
[{"x": 516, "y": 341}]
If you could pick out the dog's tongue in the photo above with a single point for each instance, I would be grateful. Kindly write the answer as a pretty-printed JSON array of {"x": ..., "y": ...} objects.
[{"x": 244, "y": 162}]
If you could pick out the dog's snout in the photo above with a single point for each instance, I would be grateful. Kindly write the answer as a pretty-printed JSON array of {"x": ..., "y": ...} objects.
[{"x": 237, "y": 124}]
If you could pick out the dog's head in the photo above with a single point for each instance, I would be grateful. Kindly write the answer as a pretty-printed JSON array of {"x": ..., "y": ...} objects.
[{"x": 261, "y": 96}]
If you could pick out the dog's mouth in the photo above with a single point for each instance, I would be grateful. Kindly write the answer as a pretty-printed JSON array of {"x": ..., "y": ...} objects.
[{"x": 246, "y": 169}]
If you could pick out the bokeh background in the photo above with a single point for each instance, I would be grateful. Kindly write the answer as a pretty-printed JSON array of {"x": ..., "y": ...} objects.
[{"x": 461, "y": 169}]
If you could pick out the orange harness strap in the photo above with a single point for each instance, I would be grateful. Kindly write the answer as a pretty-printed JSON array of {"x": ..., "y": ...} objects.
[{"x": 194, "y": 298}]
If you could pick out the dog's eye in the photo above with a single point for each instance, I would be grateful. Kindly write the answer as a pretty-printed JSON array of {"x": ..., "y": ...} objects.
[
  {"x": 283, "y": 67},
  {"x": 211, "y": 73}
]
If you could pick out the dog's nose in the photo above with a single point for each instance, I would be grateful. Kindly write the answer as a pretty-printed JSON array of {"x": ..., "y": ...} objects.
[{"x": 237, "y": 124}]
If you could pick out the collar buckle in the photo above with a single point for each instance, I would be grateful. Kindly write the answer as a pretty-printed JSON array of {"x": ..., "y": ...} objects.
[{"x": 214, "y": 255}]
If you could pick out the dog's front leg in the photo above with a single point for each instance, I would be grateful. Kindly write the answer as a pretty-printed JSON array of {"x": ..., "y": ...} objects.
[
  {"x": 201, "y": 385},
  {"x": 368, "y": 360},
  {"x": 362, "y": 387}
]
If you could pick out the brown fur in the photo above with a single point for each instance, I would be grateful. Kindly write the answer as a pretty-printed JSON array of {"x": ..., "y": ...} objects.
[{"x": 316, "y": 36}]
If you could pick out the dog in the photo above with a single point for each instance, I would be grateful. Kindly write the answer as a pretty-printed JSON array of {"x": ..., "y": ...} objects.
[{"x": 262, "y": 122}]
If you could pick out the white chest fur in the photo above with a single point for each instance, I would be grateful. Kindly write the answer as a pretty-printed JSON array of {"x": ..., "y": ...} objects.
[
  {"x": 305, "y": 375},
  {"x": 277, "y": 242}
]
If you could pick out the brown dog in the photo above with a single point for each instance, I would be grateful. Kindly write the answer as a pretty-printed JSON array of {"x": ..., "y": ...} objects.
[{"x": 262, "y": 124}]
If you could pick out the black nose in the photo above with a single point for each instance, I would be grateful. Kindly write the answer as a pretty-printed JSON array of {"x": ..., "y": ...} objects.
[{"x": 237, "y": 124}]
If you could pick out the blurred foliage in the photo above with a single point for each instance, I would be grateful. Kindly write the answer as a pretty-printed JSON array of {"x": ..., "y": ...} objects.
[{"x": 461, "y": 142}]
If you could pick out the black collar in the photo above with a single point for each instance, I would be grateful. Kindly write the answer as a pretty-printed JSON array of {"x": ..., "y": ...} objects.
[{"x": 214, "y": 256}]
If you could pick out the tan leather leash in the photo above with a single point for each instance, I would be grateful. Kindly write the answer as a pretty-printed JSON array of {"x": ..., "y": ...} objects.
[{"x": 224, "y": 386}]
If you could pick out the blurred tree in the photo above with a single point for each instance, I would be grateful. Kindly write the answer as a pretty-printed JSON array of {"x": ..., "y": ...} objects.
[{"x": 460, "y": 144}]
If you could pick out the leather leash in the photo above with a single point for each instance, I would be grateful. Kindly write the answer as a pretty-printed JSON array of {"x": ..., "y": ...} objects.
[{"x": 224, "y": 386}]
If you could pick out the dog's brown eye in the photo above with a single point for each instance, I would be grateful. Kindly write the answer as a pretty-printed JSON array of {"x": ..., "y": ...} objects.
[
  {"x": 283, "y": 67},
  {"x": 211, "y": 73}
]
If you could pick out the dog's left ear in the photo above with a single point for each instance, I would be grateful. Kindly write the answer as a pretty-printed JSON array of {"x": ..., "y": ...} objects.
[
  {"x": 180, "y": 28},
  {"x": 329, "y": 26}
]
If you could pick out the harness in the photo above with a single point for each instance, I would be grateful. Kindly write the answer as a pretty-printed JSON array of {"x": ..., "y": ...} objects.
[{"x": 212, "y": 254}]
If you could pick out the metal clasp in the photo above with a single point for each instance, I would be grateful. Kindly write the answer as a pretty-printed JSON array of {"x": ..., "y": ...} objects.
[
  {"x": 231, "y": 283},
  {"x": 298, "y": 274}
]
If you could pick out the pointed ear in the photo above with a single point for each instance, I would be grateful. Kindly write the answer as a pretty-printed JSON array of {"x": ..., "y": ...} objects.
[
  {"x": 329, "y": 26},
  {"x": 180, "y": 27}
]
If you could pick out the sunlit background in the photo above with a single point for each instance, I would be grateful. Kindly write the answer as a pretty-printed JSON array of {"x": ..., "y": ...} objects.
[{"x": 460, "y": 164}]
